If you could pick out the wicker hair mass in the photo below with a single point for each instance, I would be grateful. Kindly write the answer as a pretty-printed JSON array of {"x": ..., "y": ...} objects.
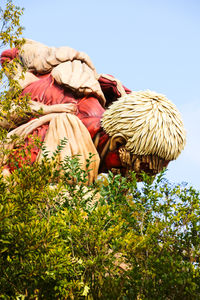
[{"x": 150, "y": 123}]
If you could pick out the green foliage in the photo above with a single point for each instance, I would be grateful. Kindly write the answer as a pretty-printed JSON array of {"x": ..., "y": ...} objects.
[
  {"x": 12, "y": 104},
  {"x": 11, "y": 29},
  {"x": 58, "y": 242}
]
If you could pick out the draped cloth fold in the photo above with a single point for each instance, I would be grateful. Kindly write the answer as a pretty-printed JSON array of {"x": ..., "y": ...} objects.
[{"x": 63, "y": 126}]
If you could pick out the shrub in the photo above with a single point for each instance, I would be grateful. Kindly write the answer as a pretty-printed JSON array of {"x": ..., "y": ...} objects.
[{"x": 136, "y": 242}]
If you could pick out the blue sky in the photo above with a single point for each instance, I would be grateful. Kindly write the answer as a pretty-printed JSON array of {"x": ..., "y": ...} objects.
[{"x": 146, "y": 44}]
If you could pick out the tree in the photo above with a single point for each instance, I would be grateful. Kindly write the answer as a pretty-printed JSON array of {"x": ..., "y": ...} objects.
[
  {"x": 10, "y": 35},
  {"x": 11, "y": 30}
]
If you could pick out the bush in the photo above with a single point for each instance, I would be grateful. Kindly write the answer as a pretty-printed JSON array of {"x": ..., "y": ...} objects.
[{"x": 57, "y": 242}]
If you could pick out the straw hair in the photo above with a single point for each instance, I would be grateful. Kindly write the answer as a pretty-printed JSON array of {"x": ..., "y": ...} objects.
[{"x": 150, "y": 123}]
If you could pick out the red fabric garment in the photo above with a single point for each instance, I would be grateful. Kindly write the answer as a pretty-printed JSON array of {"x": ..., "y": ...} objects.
[
  {"x": 47, "y": 91},
  {"x": 8, "y": 55},
  {"x": 110, "y": 90},
  {"x": 90, "y": 113}
]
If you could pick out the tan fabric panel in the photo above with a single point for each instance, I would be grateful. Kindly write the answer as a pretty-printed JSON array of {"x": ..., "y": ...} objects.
[
  {"x": 79, "y": 141},
  {"x": 63, "y": 125},
  {"x": 79, "y": 77},
  {"x": 69, "y": 67}
]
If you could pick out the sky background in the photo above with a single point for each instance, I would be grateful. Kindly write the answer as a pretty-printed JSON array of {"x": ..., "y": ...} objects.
[{"x": 147, "y": 44}]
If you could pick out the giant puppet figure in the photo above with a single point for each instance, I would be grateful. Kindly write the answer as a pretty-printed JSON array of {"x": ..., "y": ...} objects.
[{"x": 124, "y": 130}]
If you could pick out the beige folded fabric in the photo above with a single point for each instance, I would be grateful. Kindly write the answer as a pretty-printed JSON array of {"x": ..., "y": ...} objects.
[
  {"x": 63, "y": 125},
  {"x": 69, "y": 67},
  {"x": 78, "y": 76}
]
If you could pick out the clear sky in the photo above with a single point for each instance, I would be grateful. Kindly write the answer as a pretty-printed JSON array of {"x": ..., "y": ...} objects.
[{"x": 147, "y": 44}]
